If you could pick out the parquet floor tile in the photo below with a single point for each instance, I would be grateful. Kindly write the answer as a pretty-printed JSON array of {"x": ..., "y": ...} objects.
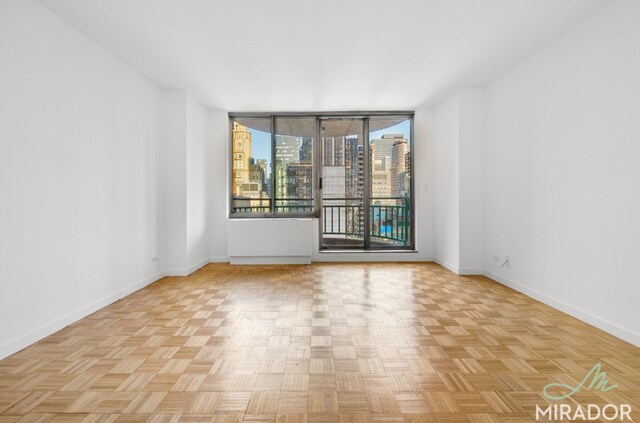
[{"x": 349, "y": 343}]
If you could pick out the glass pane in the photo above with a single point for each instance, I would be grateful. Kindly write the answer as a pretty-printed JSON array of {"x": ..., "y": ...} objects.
[
  {"x": 294, "y": 165},
  {"x": 390, "y": 213},
  {"x": 251, "y": 166},
  {"x": 342, "y": 183}
]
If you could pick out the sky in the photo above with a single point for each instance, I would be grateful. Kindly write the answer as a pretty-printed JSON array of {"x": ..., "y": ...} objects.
[
  {"x": 403, "y": 127},
  {"x": 261, "y": 141},
  {"x": 261, "y": 145}
]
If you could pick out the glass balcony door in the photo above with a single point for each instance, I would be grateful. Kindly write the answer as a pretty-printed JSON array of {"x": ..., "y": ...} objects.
[
  {"x": 390, "y": 148},
  {"x": 366, "y": 189},
  {"x": 343, "y": 215}
]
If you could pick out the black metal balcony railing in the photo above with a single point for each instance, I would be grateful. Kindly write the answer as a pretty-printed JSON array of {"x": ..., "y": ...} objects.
[
  {"x": 389, "y": 216},
  {"x": 282, "y": 205}
]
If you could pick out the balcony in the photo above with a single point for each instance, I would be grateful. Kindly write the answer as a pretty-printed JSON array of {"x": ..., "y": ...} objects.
[{"x": 343, "y": 220}]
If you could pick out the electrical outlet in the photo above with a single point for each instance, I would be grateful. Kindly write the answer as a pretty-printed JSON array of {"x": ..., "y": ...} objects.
[
  {"x": 154, "y": 259},
  {"x": 496, "y": 259}
]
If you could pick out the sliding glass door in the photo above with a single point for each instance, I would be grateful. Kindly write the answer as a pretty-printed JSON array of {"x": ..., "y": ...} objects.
[
  {"x": 390, "y": 205},
  {"x": 343, "y": 213},
  {"x": 365, "y": 183}
]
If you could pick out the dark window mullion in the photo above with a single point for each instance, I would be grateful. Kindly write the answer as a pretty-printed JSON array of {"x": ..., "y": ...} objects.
[
  {"x": 273, "y": 164},
  {"x": 367, "y": 188}
]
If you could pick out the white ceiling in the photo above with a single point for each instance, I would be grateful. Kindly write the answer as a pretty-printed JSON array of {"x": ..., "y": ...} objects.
[{"x": 305, "y": 55}]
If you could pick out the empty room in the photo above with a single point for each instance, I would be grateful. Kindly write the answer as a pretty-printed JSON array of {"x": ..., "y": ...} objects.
[{"x": 303, "y": 211}]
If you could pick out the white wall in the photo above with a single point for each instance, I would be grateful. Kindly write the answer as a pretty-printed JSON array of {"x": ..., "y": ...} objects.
[
  {"x": 470, "y": 150},
  {"x": 271, "y": 241},
  {"x": 77, "y": 176},
  {"x": 447, "y": 183},
  {"x": 561, "y": 174},
  {"x": 172, "y": 182},
  {"x": 184, "y": 194},
  {"x": 219, "y": 171},
  {"x": 424, "y": 169},
  {"x": 457, "y": 140},
  {"x": 198, "y": 184}
]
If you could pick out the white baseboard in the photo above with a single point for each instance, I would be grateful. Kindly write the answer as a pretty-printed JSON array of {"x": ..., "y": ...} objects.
[
  {"x": 612, "y": 328},
  {"x": 468, "y": 271},
  {"x": 250, "y": 260},
  {"x": 447, "y": 265},
  {"x": 187, "y": 271},
  {"x": 220, "y": 259},
  {"x": 34, "y": 336},
  {"x": 328, "y": 257},
  {"x": 368, "y": 257},
  {"x": 462, "y": 271}
]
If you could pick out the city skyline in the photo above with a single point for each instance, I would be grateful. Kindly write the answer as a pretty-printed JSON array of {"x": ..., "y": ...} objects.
[
  {"x": 254, "y": 178},
  {"x": 261, "y": 141}
]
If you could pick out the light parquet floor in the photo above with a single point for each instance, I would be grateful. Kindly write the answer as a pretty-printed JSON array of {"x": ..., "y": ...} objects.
[{"x": 319, "y": 343}]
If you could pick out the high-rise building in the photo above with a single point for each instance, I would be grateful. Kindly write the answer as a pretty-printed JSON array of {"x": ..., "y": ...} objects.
[
  {"x": 354, "y": 184},
  {"x": 287, "y": 149},
  {"x": 353, "y": 169},
  {"x": 293, "y": 173},
  {"x": 262, "y": 164},
  {"x": 333, "y": 151},
  {"x": 380, "y": 184},
  {"x": 306, "y": 150},
  {"x": 399, "y": 150},
  {"x": 336, "y": 181},
  {"x": 407, "y": 174},
  {"x": 241, "y": 157},
  {"x": 267, "y": 186},
  {"x": 380, "y": 176},
  {"x": 407, "y": 163},
  {"x": 249, "y": 182},
  {"x": 299, "y": 182},
  {"x": 383, "y": 148}
]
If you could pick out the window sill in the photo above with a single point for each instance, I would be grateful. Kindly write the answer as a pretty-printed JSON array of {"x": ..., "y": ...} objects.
[
  {"x": 338, "y": 251},
  {"x": 274, "y": 217}
]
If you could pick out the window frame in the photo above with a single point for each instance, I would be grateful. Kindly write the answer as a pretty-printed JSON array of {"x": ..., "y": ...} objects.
[{"x": 316, "y": 161}]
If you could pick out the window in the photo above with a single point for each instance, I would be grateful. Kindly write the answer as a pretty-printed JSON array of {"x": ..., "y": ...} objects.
[
  {"x": 251, "y": 152},
  {"x": 294, "y": 165},
  {"x": 352, "y": 171},
  {"x": 391, "y": 193},
  {"x": 272, "y": 170}
]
